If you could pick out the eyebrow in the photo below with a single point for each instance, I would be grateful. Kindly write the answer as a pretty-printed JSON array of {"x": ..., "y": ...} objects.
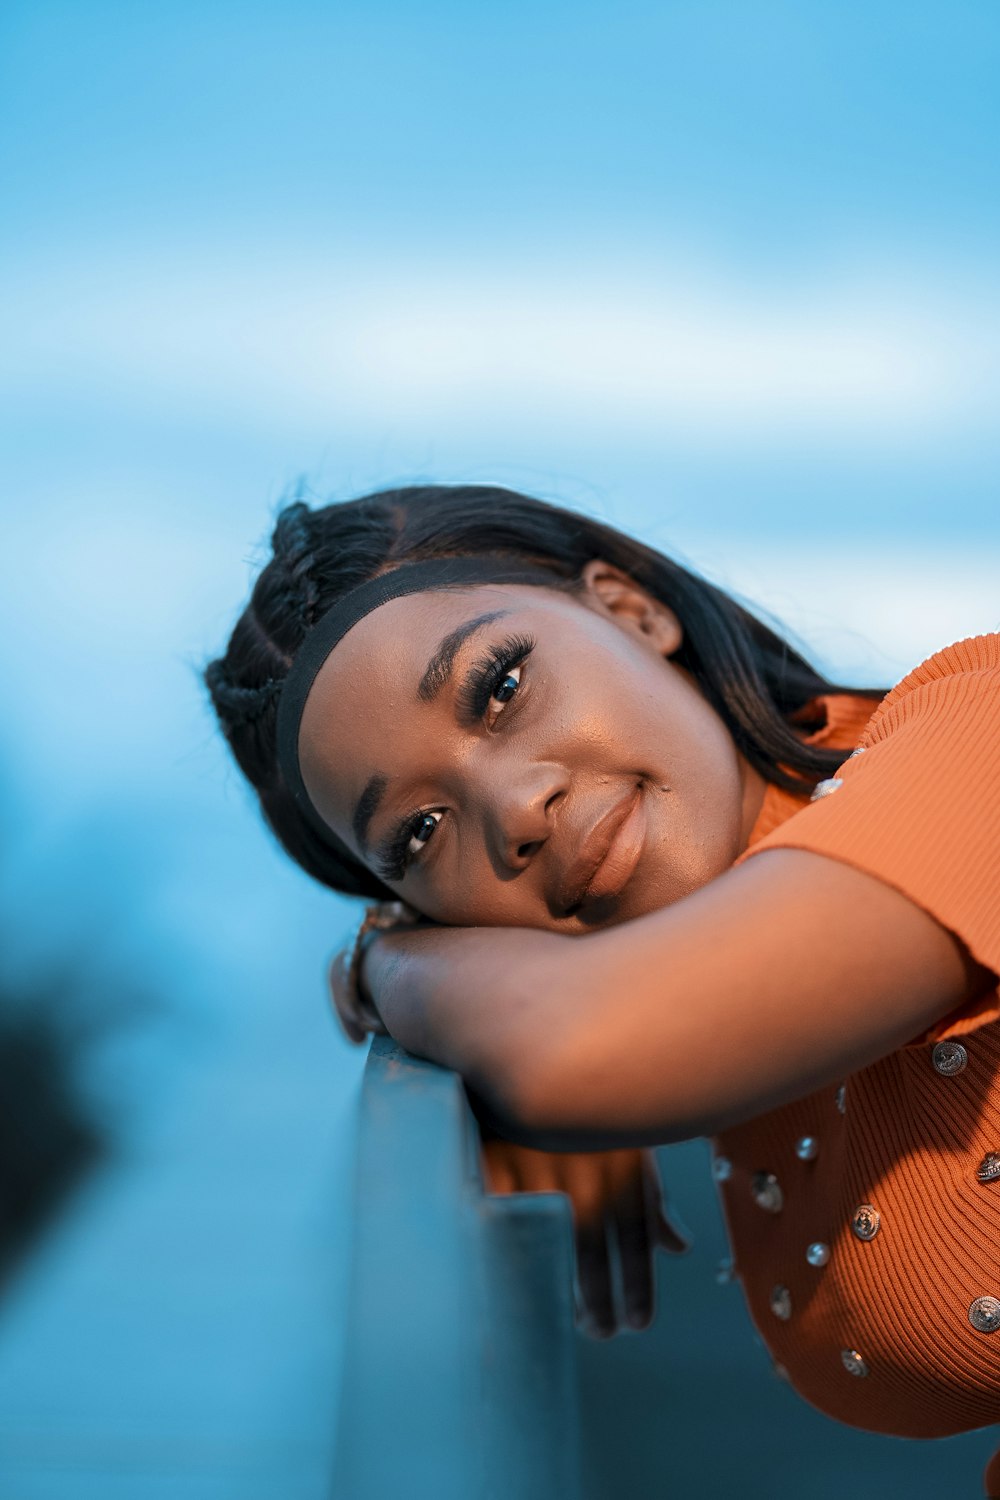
[{"x": 438, "y": 669}]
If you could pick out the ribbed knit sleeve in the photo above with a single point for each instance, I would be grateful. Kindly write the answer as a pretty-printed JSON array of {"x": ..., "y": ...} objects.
[{"x": 919, "y": 808}]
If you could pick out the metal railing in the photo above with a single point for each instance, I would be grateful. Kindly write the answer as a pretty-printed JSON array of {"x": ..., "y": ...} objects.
[{"x": 460, "y": 1378}]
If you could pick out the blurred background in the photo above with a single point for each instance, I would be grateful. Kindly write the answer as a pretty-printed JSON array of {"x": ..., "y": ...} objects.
[{"x": 726, "y": 274}]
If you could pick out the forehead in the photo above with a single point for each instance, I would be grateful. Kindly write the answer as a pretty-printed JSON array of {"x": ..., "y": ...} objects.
[{"x": 368, "y": 684}]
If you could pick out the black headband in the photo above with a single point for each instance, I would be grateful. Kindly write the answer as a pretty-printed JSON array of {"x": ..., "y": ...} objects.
[{"x": 410, "y": 578}]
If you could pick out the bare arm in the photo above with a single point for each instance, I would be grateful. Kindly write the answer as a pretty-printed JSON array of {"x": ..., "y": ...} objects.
[{"x": 782, "y": 975}]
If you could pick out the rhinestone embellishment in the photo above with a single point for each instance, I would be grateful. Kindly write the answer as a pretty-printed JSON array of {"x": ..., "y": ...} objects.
[
  {"x": 853, "y": 1362},
  {"x": 824, "y": 788},
  {"x": 807, "y": 1148},
  {"x": 949, "y": 1058},
  {"x": 989, "y": 1168},
  {"x": 781, "y": 1303},
  {"x": 984, "y": 1314},
  {"x": 818, "y": 1254},
  {"x": 767, "y": 1194},
  {"x": 840, "y": 1098},
  {"x": 722, "y": 1169},
  {"x": 865, "y": 1221}
]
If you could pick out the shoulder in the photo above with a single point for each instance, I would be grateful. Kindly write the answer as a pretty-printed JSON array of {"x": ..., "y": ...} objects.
[
  {"x": 969, "y": 671},
  {"x": 917, "y": 802},
  {"x": 969, "y": 668}
]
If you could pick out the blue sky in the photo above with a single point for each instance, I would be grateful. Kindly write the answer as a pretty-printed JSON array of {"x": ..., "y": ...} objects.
[
  {"x": 727, "y": 274},
  {"x": 730, "y": 256}
]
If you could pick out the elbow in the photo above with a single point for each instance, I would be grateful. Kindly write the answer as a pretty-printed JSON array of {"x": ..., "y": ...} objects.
[
  {"x": 547, "y": 1075},
  {"x": 519, "y": 1085},
  {"x": 509, "y": 1046},
  {"x": 515, "y": 1095},
  {"x": 539, "y": 1097},
  {"x": 529, "y": 1095},
  {"x": 576, "y": 1090}
]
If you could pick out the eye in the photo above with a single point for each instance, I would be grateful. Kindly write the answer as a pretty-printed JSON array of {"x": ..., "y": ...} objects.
[
  {"x": 508, "y": 686},
  {"x": 421, "y": 830},
  {"x": 493, "y": 681}
]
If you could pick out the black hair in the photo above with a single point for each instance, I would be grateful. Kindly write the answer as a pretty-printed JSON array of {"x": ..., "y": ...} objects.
[{"x": 754, "y": 679}]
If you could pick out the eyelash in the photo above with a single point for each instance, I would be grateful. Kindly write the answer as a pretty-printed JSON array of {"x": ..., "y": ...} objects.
[
  {"x": 473, "y": 698},
  {"x": 482, "y": 681}
]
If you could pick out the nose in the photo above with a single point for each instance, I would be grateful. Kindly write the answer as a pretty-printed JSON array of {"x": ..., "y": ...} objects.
[{"x": 521, "y": 806}]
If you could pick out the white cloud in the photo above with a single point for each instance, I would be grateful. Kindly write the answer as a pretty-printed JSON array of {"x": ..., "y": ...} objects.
[
  {"x": 867, "y": 613},
  {"x": 678, "y": 352}
]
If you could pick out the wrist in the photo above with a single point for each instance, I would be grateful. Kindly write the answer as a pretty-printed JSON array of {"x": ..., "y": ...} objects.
[{"x": 350, "y": 976}]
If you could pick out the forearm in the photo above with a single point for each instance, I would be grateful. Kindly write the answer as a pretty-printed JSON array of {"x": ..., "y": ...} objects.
[
  {"x": 475, "y": 1000},
  {"x": 570, "y": 1043},
  {"x": 539, "y": 1026},
  {"x": 772, "y": 981}
]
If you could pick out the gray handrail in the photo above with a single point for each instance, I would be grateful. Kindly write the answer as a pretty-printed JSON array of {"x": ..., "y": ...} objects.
[{"x": 459, "y": 1379}]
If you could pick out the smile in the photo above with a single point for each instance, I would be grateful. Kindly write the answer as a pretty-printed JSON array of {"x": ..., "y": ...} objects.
[{"x": 609, "y": 855}]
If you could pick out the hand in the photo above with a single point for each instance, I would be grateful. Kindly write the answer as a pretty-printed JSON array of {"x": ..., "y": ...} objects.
[
  {"x": 616, "y": 1196},
  {"x": 352, "y": 1003},
  {"x": 617, "y": 1200}
]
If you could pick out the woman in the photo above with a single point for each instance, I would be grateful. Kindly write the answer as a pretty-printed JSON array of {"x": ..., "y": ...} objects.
[{"x": 509, "y": 716}]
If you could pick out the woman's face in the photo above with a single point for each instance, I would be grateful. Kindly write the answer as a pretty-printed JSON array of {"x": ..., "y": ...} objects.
[{"x": 516, "y": 756}]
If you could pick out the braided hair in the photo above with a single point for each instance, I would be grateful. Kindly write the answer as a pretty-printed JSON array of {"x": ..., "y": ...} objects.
[{"x": 754, "y": 679}]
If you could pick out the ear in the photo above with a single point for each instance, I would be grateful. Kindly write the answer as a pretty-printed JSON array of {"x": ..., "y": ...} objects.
[{"x": 614, "y": 593}]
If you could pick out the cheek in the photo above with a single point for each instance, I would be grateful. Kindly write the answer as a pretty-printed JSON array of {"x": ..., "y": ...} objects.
[
  {"x": 479, "y": 900},
  {"x": 683, "y": 743},
  {"x": 707, "y": 812},
  {"x": 698, "y": 796}
]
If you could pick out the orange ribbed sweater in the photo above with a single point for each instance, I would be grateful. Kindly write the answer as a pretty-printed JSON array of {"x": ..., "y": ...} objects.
[{"x": 874, "y": 1328}]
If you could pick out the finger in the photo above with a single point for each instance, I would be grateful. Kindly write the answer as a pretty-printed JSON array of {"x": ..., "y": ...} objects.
[
  {"x": 355, "y": 1010},
  {"x": 595, "y": 1301},
  {"x": 635, "y": 1219},
  {"x": 364, "y": 1006},
  {"x": 370, "y": 1018},
  {"x": 671, "y": 1233},
  {"x": 344, "y": 997},
  {"x": 356, "y": 1015},
  {"x": 543, "y": 1172},
  {"x": 497, "y": 1167}
]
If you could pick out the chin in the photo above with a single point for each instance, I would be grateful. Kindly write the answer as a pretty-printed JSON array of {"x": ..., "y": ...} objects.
[{"x": 614, "y": 911}]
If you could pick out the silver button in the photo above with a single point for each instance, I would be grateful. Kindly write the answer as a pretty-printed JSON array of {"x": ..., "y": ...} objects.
[
  {"x": 767, "y": 1194},
  {"x": 818, "y": 1254},
  {"x": 840, "y": 1098},
  {"x": 824, "y": 788},
  {"x": 859, "y": 751},
  {"x": 989, "y": 1168},
  {"x": 781, "y": 1303},
  {"x": 722, "y": 1169},
  {"x": 949, "y": 1058},
  {"x": 853, "y": 1362},
  {"x": 984, "y": 1314},
  {"x": 865, "y": 1221},
  {"x": 807, "y": 1148}
]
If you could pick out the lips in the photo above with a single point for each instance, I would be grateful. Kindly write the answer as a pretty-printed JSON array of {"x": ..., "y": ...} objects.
[{"x": 607, "y": 857}]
